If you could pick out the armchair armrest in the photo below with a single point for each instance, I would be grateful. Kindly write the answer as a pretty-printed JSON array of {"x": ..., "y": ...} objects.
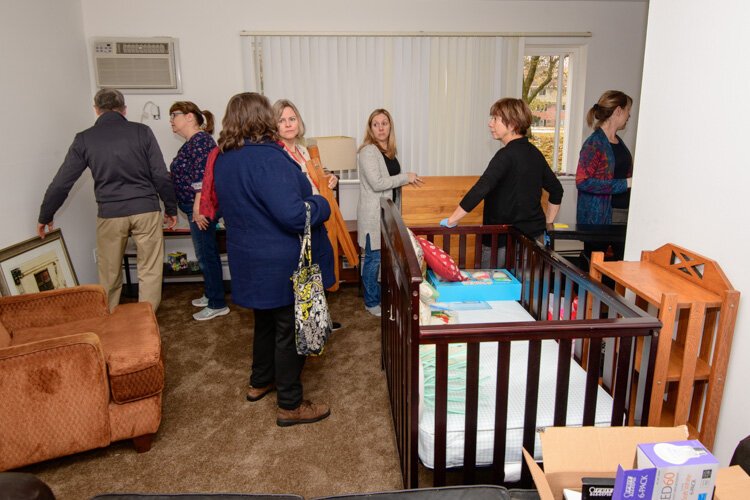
[
  {"x": 54, "y": 398},
  {"x": 42, "y": 309}
]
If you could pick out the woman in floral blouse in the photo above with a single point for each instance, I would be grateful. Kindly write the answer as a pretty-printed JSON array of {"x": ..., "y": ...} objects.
[
  {"x": 605, "y": 170},
  {"x": 188, "y": 167}
]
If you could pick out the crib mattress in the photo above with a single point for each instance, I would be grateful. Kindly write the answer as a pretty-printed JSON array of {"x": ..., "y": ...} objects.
[{"x": 500, "y": 311}]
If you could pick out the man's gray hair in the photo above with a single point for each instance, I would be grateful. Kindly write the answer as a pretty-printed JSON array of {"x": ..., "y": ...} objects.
[{"x": 110, "y": 100}]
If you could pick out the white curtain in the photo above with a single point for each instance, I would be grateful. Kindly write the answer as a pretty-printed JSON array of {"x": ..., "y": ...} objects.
[{"x": 438, "y": 89}]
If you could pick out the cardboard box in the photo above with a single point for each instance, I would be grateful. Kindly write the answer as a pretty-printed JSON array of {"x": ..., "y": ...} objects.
[
  {"x": 571, "y": 453},
  {"x": 482, "y": 284},
  {"x": 732, "y": 483},
  {"x": 685, "y": 470},
  {"x": 336, "y": 152}
]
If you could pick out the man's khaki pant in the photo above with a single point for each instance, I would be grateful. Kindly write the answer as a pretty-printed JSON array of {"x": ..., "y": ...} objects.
[{"x": 111, "y": 239}]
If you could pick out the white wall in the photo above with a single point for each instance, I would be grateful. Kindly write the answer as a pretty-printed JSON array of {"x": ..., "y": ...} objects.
[
  {"x": 46, "y": 98},
  {"x": 691, "y": 167},
  {"x": 211, "y": 55}
]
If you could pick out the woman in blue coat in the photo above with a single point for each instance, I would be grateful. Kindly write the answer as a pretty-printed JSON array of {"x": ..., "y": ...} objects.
[{"x": 262, "y": 194}]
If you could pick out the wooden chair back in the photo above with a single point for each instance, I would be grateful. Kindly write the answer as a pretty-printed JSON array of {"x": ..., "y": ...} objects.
[{"x": 689, "y": 265}]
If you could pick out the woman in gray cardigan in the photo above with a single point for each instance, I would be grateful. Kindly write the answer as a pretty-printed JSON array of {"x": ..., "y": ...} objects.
[{"x": 380, "y": 176}]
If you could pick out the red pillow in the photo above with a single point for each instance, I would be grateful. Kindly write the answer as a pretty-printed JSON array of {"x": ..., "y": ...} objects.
[{"x": 440, "y": 262}]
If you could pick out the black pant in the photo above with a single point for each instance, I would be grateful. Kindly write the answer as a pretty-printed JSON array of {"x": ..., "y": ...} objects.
[{"x": 275, "y": 357}]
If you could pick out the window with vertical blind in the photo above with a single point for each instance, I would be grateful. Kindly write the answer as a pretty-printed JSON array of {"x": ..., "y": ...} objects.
[
  {"x": 551, "y": 89},
  {"x": 439, "y": 89}
]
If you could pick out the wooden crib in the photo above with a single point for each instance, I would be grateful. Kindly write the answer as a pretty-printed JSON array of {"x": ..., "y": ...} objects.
[{"x": 600, "y": 338}]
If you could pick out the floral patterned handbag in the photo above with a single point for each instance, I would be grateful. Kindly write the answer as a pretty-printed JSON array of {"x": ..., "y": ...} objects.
[{"x": 312, "y": 321}]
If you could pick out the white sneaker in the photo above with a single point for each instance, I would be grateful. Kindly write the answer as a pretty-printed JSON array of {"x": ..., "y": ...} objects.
[
  {"x": 208, "y": 313},
  {"x": 374, "y": 310},
  {"x": 202, "y": 302}
]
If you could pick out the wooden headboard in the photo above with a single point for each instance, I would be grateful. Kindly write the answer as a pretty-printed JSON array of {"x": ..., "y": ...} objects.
[{"x": 438, "y": 198}]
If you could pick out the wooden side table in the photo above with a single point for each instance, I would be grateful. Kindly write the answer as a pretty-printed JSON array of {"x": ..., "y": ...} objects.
[{"x": 697, "y": 307}]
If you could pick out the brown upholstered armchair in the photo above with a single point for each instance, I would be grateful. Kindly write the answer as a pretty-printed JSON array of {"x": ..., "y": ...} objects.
[{"x": 74, "y": 376}]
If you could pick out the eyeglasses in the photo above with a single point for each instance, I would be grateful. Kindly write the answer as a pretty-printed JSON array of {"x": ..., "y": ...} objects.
[{"x": 173, "y": 114}]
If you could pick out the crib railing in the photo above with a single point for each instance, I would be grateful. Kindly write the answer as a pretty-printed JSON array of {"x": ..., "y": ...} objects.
[{"x": 549, "y": 288}]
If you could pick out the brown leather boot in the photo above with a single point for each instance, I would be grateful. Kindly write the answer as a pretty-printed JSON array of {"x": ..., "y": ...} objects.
[
  {"x": 306, "y": 413},
  {"x": 256, "y": 393}
]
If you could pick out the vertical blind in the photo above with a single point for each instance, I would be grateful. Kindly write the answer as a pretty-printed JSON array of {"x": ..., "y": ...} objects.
[{"x": 438, "y": 89}]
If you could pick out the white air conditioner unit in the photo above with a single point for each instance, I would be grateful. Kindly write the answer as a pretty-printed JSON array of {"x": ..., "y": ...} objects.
[{"x": 137, "y": 65}]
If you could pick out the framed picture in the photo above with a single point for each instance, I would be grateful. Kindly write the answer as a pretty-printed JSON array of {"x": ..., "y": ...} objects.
[{"x": 36, "y": 265}]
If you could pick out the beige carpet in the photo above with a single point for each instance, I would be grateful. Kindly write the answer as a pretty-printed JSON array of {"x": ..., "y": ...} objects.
[{"x": 212, "y": 440}]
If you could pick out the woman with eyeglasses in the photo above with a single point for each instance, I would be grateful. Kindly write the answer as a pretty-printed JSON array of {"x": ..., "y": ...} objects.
[
  {"x": 512, "y": 184},
  {"x": 187, "y": 169}
]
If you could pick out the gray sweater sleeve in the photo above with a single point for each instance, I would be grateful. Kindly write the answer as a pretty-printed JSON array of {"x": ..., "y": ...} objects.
[
  {"x": 370, "y": 167},
  {"x": 69, "y": 172}
]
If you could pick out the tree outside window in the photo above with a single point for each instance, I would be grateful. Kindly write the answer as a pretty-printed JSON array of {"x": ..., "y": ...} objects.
[{"x": 545, "y": 90}]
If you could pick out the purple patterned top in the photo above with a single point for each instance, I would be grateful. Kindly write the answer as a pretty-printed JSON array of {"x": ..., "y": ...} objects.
[{"x": 189, "y": 165}]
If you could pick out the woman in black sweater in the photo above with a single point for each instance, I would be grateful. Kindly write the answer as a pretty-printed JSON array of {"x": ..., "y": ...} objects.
[{"x": 512, "y": 184}]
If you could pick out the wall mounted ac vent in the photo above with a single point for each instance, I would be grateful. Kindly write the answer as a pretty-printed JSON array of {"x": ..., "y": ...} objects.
[{"x": 137, "y": 65}]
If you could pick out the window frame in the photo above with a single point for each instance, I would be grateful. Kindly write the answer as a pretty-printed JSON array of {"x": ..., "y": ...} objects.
[{"x": 575, "y": 102}]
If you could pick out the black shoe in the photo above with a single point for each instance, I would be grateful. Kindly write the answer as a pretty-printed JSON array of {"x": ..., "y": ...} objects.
[{"x": 335, "y": 325}]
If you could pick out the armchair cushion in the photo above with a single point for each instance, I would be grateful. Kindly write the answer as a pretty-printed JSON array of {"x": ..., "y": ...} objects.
[
  {"x": 38, "y": 333},
  {"x": 132, "y": 347},
  {"x": 131, "y": 344}
]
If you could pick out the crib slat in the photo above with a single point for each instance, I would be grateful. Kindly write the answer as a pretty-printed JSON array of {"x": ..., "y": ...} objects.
[
  {"x": 649, "y": 374},
  {"x": 441, "y": 411},
  {"x": 462, "y": 251},
  {"x": 493, "y": 251},
  {"x": 563, "y": 382},
  {"x": 526, "y": 267},
  {"x": 478, "y": 251},
  {"x": 610, "y": 350},
  {"x": 447, "y": 243},
  {"x": 538, "y": 280},
  {"x": 556, "y": 285},
  {"x": 501, "y": 411},
  {"x": 532, "y": 400},
  {"x": 472, "y": 404},
  {"x": 546, "y": 278},
  {"x": 568, "y": 304},
  {"x": 510, "y": 255},
  {"x": 592, "y": 381},
  {"x": 579, "y": 352},
  {"x": 621, "y": 381}
]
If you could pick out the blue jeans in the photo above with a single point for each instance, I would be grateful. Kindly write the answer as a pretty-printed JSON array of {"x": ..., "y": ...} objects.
[
  {"x": 370, "y": 273},
  {"x": 207, "y": 253}
]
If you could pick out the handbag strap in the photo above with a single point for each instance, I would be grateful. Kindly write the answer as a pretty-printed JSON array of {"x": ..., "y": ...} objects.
[{"x": 305, "y": 251}]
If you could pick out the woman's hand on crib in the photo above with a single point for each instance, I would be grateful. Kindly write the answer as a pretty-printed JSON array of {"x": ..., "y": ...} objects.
[{"x": 445, "y": 223}]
